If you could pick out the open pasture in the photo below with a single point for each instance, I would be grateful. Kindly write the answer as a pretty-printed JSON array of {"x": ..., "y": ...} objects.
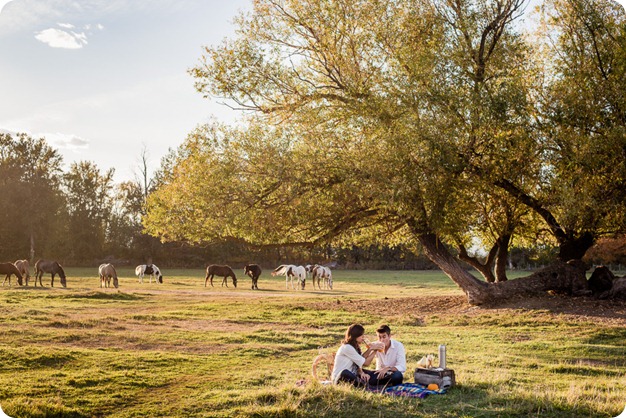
[{"x": 179, "y": 349}]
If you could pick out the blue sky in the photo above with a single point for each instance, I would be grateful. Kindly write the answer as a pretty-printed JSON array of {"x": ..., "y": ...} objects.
[{"x": 101, "y": 79}]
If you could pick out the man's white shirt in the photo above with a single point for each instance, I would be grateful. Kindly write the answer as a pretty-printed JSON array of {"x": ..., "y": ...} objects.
[{"x": 394, "y": 357}]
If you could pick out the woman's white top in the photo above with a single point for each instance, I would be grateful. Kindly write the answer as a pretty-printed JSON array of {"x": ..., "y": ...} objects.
[{"x": 347, "y": 358}]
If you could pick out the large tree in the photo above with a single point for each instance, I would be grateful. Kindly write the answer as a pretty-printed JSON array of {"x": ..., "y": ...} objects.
[
  {"x": 380, "y": 121},
  {"x": 90, "y": 204},
  {"x": 31, "y": 204}
]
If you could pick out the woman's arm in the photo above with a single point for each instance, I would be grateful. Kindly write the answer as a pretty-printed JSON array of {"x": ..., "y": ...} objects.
[{"x": 369, "y": 356}]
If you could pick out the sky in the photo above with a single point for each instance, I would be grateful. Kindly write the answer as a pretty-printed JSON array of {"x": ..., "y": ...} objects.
[{"x": 102, "y": 80}]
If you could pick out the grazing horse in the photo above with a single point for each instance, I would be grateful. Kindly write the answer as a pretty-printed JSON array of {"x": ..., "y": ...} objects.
[
  {"x": 49, "y": 266},
  {"x": 151, "y": 270},
  {"x": 254, "y": 271},
  {"x": 324, "y": 274},
  {"x": 290, "y": 271},
  {"x": 24, "y": 267},
  {"x": 107, "y": 272},
  {"x": 221, "y": 271},
  {"x": 9, "y": 269}
]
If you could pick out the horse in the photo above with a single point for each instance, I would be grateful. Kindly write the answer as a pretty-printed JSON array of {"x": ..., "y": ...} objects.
[
  {"x": 321, "y": 273},
  {"x": 290, "y": 271},
  {"x": 24, "y": 268},
  {"x": 49, "y": 266},
  {"x": 221, "y": 271},
  {"x": 254, "y": 271},
  {"x": 151, "y": 270},
  {"x": 9, "y": 269},
  {"x": 310, "y": 272},
  {"x": 107, "y": 272}
]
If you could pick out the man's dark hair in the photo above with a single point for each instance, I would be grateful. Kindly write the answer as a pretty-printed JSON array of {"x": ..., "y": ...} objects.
[{"x": 384, "y": 329}]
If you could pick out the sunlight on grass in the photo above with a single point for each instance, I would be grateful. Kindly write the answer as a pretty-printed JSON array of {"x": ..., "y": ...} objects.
[{"x": 182, "y": 350}]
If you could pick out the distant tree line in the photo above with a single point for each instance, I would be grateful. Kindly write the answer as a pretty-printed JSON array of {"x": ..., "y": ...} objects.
[{"x": 81, "y": 217}]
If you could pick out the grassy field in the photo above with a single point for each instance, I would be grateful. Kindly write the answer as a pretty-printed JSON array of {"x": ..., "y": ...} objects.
[{"x": 182, "y": 350}]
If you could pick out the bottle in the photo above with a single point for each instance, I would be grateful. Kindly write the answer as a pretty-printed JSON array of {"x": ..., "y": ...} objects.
[{"x": 442, "y": 356}]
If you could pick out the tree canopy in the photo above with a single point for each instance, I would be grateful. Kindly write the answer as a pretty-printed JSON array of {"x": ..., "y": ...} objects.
[{"x": 423, "y": 121}]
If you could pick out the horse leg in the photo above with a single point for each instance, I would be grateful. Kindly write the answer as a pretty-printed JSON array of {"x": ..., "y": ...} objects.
[
  {"x": 5, "y": 280},
  {"x": 206, "y": 279}
]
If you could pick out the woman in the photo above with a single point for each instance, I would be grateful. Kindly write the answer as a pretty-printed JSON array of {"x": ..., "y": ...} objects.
[{"x": 349, "y": 361}]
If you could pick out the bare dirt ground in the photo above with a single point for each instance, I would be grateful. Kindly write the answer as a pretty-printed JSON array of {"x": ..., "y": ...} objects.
[{"x": 577, "y": 308}]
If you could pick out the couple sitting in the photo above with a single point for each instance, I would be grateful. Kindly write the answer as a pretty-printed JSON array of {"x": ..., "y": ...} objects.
[{"x": 349, "y": 361}]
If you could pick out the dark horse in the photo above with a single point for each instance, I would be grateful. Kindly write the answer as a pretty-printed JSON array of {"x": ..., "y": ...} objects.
[
  {"x": 10, "y": 269},
  {"x": 221, "y": 271},
  {"x": 254, "y": 271},
  {"x": 49, "y": 266}
]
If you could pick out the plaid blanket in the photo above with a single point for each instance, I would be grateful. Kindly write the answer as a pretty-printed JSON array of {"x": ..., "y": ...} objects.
[{"x": 411, "y": 390}]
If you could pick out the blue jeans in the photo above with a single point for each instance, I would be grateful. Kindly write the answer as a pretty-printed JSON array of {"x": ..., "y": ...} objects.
[
  {"x": 347, "y": 376},
  {"x": 390, "y": 379}
]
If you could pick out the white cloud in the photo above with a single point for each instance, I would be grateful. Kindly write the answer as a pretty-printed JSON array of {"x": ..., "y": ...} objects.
[
  {"x": 68, "y": 39},
  {"x": 65, "y": 141},
  {"x": 57, "y": 38},
  {"x": 3, "y": 2},
  {"x": 58, "y": 140}
]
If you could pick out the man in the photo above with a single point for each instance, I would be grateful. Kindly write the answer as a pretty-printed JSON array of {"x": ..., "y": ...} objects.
[{"x": 391, "y": 360}]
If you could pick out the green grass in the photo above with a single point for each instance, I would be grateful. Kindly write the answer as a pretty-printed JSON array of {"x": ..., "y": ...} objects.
[{"x": 182, "y": 350}]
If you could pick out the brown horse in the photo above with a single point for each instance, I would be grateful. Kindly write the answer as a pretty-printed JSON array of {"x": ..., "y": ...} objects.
[
  {"x": 254, "y": 271},
  {"x": 107, "y": 272},
  {"x": 9, "y": 269},
  {"x": 24, "y": 268},
  {"x": 221, "y": 271},
  {"x": 49, "y": 266}
]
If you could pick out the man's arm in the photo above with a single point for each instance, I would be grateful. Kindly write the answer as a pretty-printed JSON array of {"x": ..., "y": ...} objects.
[{"x": 400, "y": 359}]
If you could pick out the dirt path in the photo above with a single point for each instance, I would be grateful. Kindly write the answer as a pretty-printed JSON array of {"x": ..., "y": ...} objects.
[{"x": 580, "y": 308}]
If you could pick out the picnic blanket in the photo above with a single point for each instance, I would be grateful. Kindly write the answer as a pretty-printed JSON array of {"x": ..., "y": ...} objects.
[{"x": 411, "y": 390}]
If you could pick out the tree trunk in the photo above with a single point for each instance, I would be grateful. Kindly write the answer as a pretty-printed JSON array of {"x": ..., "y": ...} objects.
[
  {"x": 502, "y": 257},
  {"x": 439, "y": 254},
  {"x": 574, "y": 248},
  {"x": 559, "y": 277},
  {"x": 484, "y": 269},
  {"x": 32, "y": 248}
]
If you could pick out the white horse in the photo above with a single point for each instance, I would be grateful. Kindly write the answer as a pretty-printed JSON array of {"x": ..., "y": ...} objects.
[
  {"x": 321, "y": 274},
  {"x": 290, "y": 271},
  {"x": 107, "y": 272},
  {"x": 151, "y": 270}
]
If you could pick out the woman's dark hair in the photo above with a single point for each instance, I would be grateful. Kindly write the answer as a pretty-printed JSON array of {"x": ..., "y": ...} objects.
[{"x": 354, "y": 331}]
